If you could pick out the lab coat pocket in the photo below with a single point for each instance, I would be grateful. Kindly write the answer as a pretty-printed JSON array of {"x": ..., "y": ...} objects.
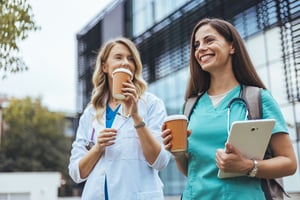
[
  {"x": 114, "y": 151},
  {"x": 126, "y": 147},
  {"x": 131, "y": 148},
  {"x": 155, "y": 195}
]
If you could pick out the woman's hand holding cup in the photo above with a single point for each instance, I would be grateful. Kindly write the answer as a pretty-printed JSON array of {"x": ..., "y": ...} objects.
[{"x": 175, "y": 133}]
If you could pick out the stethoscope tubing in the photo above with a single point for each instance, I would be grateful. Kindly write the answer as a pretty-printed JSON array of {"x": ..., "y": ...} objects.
[{"x": 236, "y": 100}]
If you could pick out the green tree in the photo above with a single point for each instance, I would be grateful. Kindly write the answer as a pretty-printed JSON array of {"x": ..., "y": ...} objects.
[
  {"x": 33, "y": 139},
  {"x": 16, "y": 21}
]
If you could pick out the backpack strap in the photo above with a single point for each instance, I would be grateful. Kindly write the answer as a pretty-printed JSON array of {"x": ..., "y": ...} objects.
[
  {"x": 271, "y": 187},
  {"x": 252, "y": 95},
  {"x": 190, "y": 104}
]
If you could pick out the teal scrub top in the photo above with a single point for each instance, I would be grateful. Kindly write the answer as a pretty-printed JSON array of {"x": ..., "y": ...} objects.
[{"x": 209, "y": 133}]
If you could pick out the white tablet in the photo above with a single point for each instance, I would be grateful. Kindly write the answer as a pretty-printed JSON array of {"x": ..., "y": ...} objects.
[{"x": 251, "y": 138}]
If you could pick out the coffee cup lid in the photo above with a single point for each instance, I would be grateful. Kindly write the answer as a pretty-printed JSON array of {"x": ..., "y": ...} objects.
[
  {"x": 175, "y": 117},
  {"x": 122, "y": 70}
]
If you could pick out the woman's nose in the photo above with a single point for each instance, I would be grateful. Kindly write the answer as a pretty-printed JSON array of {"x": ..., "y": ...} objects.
[
  {"x": 125, "y": 62},
  {"x": 202, "y": 47}
]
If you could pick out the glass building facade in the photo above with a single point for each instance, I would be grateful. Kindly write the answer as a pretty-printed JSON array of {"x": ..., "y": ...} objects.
[{"x": 162, "y": 28}]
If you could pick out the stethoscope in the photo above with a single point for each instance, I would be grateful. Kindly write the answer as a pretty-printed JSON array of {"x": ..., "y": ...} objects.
[
  {"x": 91, "y": 143},
  {"x": 236, "y": 100}
]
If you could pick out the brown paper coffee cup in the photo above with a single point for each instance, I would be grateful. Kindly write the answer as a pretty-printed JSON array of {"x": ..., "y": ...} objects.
[
  {"x": 178, "y": 126},
  {"x": 120, "y": 76}
]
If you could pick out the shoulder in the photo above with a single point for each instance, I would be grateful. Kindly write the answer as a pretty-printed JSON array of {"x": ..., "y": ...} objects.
[
  {"x": 153, "y": 109},
  {"x": 267, "y": 96},
  {"x": 151, "y": 101},
  {"x": 269, "y": 102},
  {"x": 271, "y": 109},
  {"x": 264, "y": 93},
  {"x": 150, "y": 97},
  {"x": 88, "y": 111}
]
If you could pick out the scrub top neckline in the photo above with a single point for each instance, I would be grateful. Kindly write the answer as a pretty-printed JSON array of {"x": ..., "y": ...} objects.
[
  {"x": 231, "y": 94},
  {"x": 111, "y": 115}
]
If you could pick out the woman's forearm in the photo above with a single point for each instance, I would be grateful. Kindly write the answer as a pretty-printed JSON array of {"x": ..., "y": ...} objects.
[
  {"x": 181, "y": 162},
  {"x": 87, "y": 163}
]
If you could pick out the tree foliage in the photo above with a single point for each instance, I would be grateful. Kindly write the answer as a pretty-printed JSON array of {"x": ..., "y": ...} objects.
[
  {"x": 34, "y": 138},
  {"x": 16, "y": 21}
]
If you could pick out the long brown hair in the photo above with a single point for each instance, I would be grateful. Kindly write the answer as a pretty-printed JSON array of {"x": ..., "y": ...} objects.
[
  {"x": 100, "y": 80},
  {"x": 242, "y": 66}
]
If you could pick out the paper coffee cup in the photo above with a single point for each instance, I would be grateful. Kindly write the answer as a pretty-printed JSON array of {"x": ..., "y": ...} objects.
[
  {"x": 120, "y": 76},
  {"x": 178, "y": 126}
]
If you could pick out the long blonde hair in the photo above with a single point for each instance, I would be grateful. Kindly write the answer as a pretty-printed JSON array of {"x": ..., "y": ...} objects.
[{"x": 100, "y": 80}]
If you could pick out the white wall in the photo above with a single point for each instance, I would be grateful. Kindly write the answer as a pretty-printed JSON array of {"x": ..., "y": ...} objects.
[{"x": 30, "y": 185}]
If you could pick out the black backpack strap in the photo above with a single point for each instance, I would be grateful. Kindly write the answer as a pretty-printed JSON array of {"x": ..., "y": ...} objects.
[{"x": 252, "y": 95}]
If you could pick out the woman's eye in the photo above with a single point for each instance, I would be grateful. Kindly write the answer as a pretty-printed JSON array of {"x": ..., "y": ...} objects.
[
  {"x": 130, "y": 58},
  {"x": 196, "y": 46},
  {"x": 209, "y": 40}
]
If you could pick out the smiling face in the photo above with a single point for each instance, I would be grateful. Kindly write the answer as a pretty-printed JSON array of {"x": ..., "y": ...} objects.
[
  {"x": 119, "y": 56},
  {"x": 212, "y": 51}
]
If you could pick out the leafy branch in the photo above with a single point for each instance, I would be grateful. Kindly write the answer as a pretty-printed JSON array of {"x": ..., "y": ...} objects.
[{"x": 16, "y": 22}]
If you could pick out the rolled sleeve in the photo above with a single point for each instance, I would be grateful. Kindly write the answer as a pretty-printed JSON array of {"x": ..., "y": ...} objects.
[
  {"x": 162, "y": 159},
  {"x": 78, "y": 147},
  {"x": 156, "y": 115},
  {"x": 76, "y": 154}
]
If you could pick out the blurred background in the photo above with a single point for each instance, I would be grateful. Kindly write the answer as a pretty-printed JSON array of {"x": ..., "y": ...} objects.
[{"x": 48, "y": 52}]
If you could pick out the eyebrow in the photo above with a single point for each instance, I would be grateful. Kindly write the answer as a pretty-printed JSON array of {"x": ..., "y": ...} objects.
[
  {"x": 118, "y": 54},
  {"x": 210, "y": 35},
  {"x": 121, "y": 54}
]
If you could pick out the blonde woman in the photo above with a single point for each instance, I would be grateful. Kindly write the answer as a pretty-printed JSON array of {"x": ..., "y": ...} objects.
[{"x": 118, "y": 149}]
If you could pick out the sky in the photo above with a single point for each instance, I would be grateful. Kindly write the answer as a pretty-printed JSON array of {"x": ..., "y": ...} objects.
[{"x": 51, "y": 53}]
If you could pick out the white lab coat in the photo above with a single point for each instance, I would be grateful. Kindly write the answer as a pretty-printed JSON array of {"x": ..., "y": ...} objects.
[{"x": 129, "y": 175}]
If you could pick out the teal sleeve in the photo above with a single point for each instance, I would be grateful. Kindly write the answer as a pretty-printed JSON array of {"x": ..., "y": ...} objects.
[{"x": 271, "y": 110}]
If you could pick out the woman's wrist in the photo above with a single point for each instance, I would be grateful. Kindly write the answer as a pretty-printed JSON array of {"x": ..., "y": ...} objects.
[
  {"x": 249, "y": 166},
  {"x": 179, "y": 155},
  {"x": 254, "y": 170},
  {"x": 140, "y": 125},
  {"x": 137, "y": 119},
  {"x": 97, "y": 148}
]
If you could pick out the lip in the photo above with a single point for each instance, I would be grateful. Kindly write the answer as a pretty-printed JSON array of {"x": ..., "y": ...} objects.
[{"x": 206, "y": 57}]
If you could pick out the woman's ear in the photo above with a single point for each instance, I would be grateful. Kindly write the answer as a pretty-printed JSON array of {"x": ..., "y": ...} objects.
[
  {"x": 104, "y": 67},
  {"x": 232, "y": 50}
]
